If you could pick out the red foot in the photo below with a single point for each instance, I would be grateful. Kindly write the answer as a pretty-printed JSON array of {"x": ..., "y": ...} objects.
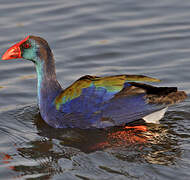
[{"x": 140, "y": 127}]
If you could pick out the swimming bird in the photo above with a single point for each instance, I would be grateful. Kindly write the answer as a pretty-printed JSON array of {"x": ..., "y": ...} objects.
[{"x": 92, "y": 101}]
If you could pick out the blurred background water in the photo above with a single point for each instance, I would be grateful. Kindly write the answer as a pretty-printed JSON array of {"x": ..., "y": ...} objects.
[{"x": 102, "y": 37}]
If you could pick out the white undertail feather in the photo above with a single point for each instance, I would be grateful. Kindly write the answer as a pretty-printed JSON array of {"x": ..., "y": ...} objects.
[{"x": 155, "y": 116}]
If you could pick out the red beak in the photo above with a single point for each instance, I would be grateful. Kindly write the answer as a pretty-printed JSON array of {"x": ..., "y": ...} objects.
[{"x": 14, "y": 51}]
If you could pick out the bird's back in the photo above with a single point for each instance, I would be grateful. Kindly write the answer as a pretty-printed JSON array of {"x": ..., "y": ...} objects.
[{"x": 96, "y": 105}]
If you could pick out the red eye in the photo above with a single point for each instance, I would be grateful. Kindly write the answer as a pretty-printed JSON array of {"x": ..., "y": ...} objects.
[{"x": 27, "y": 45}]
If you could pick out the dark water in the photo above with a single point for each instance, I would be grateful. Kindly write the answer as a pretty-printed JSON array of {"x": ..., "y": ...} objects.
[{"x": 101, "y": 38}]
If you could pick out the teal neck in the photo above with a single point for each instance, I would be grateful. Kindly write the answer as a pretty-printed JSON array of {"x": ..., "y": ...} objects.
[
  {"x": 47, "y": 85},
  {"x": 40, "y": 78}
]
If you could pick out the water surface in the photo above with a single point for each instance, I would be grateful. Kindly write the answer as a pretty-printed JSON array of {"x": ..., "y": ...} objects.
[{"x": 97, "y": 38}]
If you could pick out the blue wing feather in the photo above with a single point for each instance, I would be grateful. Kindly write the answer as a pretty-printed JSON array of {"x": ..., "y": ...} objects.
[
  {"x": 99, "y": 102},
  {"x": 100, "y": 108}
]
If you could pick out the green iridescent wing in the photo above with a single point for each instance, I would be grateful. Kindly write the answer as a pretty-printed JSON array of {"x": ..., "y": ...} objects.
[{"x": 112, "y": 84}]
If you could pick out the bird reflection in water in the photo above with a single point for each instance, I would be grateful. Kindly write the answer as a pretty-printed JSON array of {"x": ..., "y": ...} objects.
[
  {"x": 6, "y": 159},
  {"x": 152, "y": 143}
]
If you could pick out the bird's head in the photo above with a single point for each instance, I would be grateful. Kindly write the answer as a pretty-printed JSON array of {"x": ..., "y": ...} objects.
[{"x": 32, "y": 48}]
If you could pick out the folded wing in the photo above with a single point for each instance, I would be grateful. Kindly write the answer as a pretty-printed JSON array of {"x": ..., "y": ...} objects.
[{"x": 110, "y": 101}]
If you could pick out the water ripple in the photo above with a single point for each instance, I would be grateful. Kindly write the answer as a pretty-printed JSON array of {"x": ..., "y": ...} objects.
[{"x": 98, "y": 38}]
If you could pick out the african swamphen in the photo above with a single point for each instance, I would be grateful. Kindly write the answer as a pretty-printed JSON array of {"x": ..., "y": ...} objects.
[{"x": 91, "y": 101}]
